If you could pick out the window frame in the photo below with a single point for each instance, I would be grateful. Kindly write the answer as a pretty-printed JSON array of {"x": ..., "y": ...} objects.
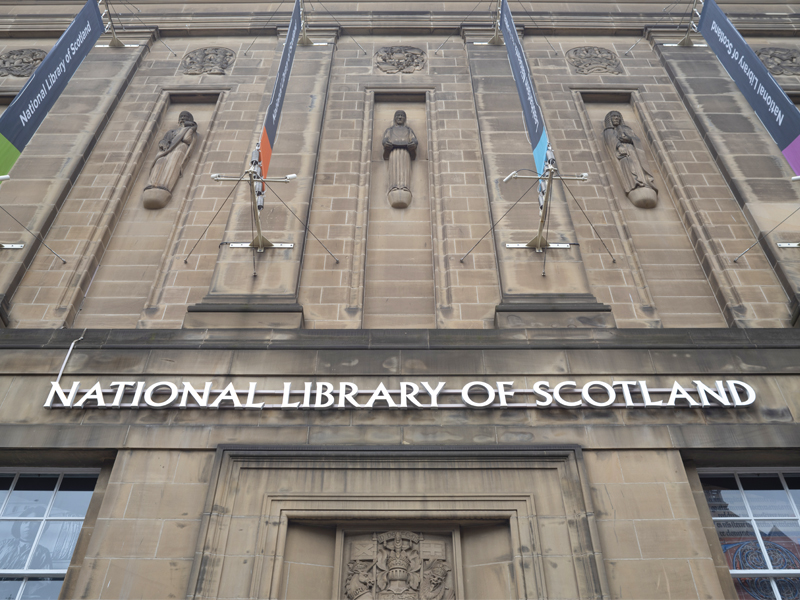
[
  {"x": 771, "y": 574},
  {"x": 23, "y": 574}
]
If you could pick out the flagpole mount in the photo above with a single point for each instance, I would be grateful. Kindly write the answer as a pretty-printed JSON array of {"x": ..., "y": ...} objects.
[
  {"x": 253, "y": 175},
  {"x": 304, "y": 40},
  {"x": 539, "y": 241},
  {"x": 497, "y": 38}
]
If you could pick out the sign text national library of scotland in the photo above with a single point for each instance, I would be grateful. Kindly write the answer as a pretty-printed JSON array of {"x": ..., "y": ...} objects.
[{"x": 476, "y": 394}]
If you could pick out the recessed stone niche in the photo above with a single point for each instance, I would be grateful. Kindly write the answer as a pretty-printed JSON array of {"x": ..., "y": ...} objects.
[{"x": 392, "y": 523}]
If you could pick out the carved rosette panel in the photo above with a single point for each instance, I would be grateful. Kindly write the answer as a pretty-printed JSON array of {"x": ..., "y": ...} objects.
[
  {"x": 208, "y": 61},
  {"x": 398, "y": 565},
  {"x": 20, "y": 63},
  {"x": 400, "y": 59},
  {"x": 780, "y": 61},
  {"x": 592, "y": 60}
]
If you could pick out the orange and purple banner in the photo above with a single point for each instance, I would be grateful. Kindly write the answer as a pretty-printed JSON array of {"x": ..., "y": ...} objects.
[
  {"x": 24, "y": 115},
  {"x": 273, "y": 117},
  {"x": 776, "y": 111}
]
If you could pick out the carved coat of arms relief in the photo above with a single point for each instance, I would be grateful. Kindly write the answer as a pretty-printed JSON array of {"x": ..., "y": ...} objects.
[
  {"x": 398, "y": 565},
  {"x": 400, "y": 59}
]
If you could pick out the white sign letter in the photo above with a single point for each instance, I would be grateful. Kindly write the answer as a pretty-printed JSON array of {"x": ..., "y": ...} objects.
[
  {"x": 559, "y": 399},
  {"x": 737, "y": 401},
  {"x": 56, "y": 390},
  {"x": 433, "y": 393},
  {"x": 489, "y": 390}
]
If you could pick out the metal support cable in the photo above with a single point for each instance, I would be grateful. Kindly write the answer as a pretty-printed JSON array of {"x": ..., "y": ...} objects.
[
  {"x": 185, "y": 260},
  {"x": 766, "y": 234},
  {"x": 613, "y": 260},
  {"x": 146, "y": 26},
  {"x": 305, "y": 225},
  {"x": 460, "y": 26},
  {"x": 530, "y": 16},
  {"x": 264, "y": 28},
  {"x": 498, "y": 220},
  {"x": 342, "y": 28},
  {"x": 34, "y": 235}
]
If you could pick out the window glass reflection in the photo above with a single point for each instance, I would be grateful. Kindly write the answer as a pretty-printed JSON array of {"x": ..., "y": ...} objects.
[
  {"x": 754, "y": 588},
  {"x": 5, "y": 485},
  {"x": 9, "y": 588},
  {"x": 794, "y": 489},
  {"x": 16, "y": 542},
  {"x": 740, "y": 545},
  {"x": 73, "y": 496},
  {"x": 30, "y": 491},
  {"x": 788, "y": 588},
  {"x": 782, "y": 542},
  {"x": 766, "y": 496},
  {"x": 57, "y": 544},
  {"x": 41, "y": 589},
  {"x": 723, "y": 497}
]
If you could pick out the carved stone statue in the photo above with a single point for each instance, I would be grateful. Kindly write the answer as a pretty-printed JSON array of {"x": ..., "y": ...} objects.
[
  {"x": 399, "y": 148},
  {"x": 628, "y": 155},
  {"x": 174, "y": 148}
]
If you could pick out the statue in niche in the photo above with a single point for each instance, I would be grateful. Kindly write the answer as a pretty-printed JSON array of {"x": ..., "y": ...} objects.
[
  {"x": 633, "y": 168},
  {"x": 399, "y": 148},
  {"x": 174, "y": 149}
]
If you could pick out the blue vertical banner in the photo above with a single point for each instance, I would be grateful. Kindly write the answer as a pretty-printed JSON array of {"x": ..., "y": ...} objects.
[
  {"x": 273, "y": 117},
  {"x": 534, "y": 120},
  {"x": 24, "y": 115},
  {"x": 778, "y": 114}
]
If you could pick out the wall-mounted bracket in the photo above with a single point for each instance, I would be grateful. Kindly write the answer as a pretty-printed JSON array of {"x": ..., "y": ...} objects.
[
  {"x": 12, "y": 246},
  {"x": 548, "y": 246},
  {"x": 265, "y": 247},
  {"x": 788, "y": 244}
]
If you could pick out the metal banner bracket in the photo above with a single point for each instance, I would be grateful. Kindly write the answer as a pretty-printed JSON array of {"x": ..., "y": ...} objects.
[
  {"x": 12, "y": 246},
  {"x": 266, "y": 246},
  {"x": 535, "y": 247},
  {"x": 788, "y": 244}
]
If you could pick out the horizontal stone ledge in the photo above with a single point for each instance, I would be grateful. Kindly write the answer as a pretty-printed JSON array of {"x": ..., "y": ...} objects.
[
  {"x": 250, "y": 308},
  {"x": 405, "y": 339},
  {"x": 554, "y": 307}
]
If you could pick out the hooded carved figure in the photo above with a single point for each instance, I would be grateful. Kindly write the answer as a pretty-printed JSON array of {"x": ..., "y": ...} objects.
[
  {"x": 399, "y": 148},
  {"x": 174, "y": 149},
  {"x": 632, "y": 166}
]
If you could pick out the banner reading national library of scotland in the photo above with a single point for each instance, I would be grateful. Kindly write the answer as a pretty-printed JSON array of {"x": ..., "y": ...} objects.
[
  {"x": 273, "y": 117},
  {"x": 778, "y": 114},
  {"x": 527, "y": 95},
  {"x": 24, "y": 115}
]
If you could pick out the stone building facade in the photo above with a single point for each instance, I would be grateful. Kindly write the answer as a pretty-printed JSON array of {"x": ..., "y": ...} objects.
[{"x": 399, "y": 406}]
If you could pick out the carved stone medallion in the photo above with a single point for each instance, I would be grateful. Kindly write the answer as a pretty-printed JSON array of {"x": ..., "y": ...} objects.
[
  {"x": 20, "y": 63},
  {"x": 780, "y": 61},
  {"x": 400, "y": 59},
  {"x": 398, "y": 565},
  {"x": 210, "y": 61},
  {"x": 591, "y": 60}
]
